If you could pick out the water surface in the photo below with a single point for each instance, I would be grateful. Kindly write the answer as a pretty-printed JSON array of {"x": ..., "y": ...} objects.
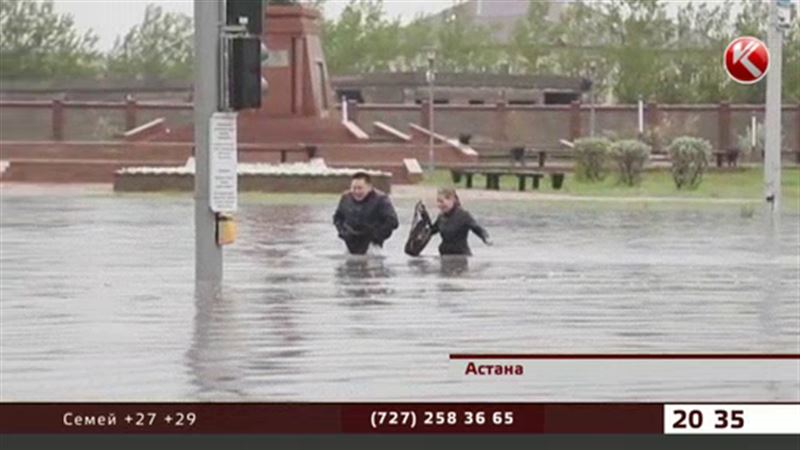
[{"x": 98, "y": 302}]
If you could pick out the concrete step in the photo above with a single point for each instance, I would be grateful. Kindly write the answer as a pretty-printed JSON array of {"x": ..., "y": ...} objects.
[
  {"x": 69, "y": 170},
  {"x": 400, "y": 171},
  {"x": 394, "y": 153},
  {"x": 27, "y": 150},
  {"x": 254, "y": 128}
]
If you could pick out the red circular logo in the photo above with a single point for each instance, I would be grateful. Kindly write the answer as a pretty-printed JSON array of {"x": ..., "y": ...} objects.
[{"x": 746, "y": 60}]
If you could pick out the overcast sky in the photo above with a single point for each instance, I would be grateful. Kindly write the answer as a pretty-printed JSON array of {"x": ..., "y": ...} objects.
[{"x": 108, "y": 18}]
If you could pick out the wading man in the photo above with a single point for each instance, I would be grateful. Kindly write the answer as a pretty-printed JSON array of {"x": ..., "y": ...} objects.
[{"x": 365, "y": 215}]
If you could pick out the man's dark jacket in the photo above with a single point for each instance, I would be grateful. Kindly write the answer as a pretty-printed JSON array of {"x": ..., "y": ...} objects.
[{"x": 359, "y": 223}]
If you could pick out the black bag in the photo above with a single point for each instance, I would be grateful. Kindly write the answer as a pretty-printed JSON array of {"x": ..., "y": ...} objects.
[{"x": 421, "y": 231}]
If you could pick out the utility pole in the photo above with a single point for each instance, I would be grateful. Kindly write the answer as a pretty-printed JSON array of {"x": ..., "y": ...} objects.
[
  {"x": 431, "y": 77},
  {"x": 208, "y": 18},
  {"x": 772, "y": 121},
  {"x": 592, "y": 100}
]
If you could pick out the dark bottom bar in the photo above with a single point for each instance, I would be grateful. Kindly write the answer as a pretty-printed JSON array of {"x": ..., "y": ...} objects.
[
  {"x": 329, "y": 418},
  {"x": 355, "y": 442}
]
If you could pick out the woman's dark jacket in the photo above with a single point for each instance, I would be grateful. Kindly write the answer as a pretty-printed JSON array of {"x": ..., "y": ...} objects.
[{"x": 454, "y": 227}]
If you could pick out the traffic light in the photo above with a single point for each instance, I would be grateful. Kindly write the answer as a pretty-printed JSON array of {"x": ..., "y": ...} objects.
[
  {"x": 245, "y": 53},
  {"x": 249, "y": 13},
  {"x": 244, "y": 73}
]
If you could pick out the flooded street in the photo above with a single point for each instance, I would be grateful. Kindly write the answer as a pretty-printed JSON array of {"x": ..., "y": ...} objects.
[{"x": 98, "y": 301}]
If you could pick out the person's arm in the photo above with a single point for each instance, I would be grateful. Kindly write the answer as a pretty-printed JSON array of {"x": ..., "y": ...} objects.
[
  {"x": 477, "y": 229},
  {"x": 338, "y": 218},
  {"x": 388, "y": 219},
  {"x": 435, "y": 226},
  {"x": 424, "y": 214}
]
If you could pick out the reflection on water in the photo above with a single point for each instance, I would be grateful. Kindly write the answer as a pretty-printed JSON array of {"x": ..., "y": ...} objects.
[
  {"x": 362, "y": 280},
  {"x": 98, "y": 302},
  {"x": 213, "y": 356},
  {"x": 454, "y": 265}
]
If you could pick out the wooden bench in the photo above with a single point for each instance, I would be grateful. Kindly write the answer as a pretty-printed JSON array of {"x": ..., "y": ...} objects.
[
  {"x": 730, "y": 157},
  {"x": 792, "y": 153},
  {"x": 309, "y": 151},
  {"x": 518, "y": 154},
  {"x": 493, "y": 175}
]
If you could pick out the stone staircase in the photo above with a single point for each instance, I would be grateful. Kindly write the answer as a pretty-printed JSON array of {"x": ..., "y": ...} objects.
[{"x": 82, "y": 162}]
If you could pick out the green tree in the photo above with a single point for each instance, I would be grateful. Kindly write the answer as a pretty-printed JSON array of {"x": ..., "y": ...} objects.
[
  {"x": 702, "y": 31},
  {"x": 415, "y": 38},
  {"x": 37, "y": 42},
  {"x": 791, "y": 64},
  {"x": 636, "y": 29},
  {"x": 530, "y": 43},
  {"x": 463, "y": 45},
  {"x": 751, "y": 21},
  {"x": 580, "y": 46},
  {"x": 362, "y": 39},
  {"x": 157, "y": 49}
]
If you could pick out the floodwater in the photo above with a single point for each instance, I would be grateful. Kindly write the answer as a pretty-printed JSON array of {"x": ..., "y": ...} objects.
[{"x": 98, "y": 302}]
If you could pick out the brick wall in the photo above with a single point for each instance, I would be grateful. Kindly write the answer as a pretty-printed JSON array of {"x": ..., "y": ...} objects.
[{"x": 541, "y": 125}]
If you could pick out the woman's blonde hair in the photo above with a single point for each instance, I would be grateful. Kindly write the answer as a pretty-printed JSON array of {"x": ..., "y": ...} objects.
[{"x": 449, "y": 193}]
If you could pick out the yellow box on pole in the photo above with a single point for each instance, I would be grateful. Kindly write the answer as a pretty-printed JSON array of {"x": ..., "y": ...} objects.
[{"x": 226, "y": 229}]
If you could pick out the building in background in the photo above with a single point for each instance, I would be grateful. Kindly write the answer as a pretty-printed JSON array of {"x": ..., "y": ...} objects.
[{"x": 498, "y": 15}]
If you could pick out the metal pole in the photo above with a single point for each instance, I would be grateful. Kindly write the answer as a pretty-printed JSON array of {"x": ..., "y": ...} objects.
[
  {"x": 591, "y": 111},
  {"x": 431, "y": 164},
  {"x": 641, "y": 116},
  {"x": 592, "y": 100},
  {"x": 208, "y": 255},
  {"x": 772, "y": 121}
]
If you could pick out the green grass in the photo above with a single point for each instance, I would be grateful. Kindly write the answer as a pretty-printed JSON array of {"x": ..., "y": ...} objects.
[{"x": 744, "y": 184}]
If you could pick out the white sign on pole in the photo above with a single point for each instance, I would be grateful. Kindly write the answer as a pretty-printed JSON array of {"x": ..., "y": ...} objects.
[{"x": 223, "y": 184}]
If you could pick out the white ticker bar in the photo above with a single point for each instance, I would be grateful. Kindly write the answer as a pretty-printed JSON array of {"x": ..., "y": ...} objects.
[{"x": 732, "y": 419}]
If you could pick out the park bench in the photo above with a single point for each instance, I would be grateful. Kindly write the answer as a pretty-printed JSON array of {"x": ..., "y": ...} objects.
[
  {"x": 492, "y": 174},
  {"x": 793, "y": 153},
  {"x": 723, "y": 158},
  {"x": 726, "y": 157},
  {"x": 519, "y": 154},
  {"x": 308, "y": 151}
]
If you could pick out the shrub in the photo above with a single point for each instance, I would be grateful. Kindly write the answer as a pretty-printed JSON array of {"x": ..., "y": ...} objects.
[
  {"x": 689, "y": 160},
  {"x": 590, "y": 158},
  {"x": 630, "y": 156},
  {"x": 745, "y": 140},
  {"x": 657, "y": 137}
]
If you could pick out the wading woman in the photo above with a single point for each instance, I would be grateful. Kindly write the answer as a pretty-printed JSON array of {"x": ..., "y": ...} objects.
[{"x": 454, "y": 224}]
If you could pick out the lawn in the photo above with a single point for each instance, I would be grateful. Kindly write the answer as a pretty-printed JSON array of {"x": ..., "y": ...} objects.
[{"x": 742, "y": 183}]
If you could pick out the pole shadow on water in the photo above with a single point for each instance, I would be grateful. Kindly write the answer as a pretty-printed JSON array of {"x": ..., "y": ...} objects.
[
  {"x": 237, "y": 342},
  {"x": 210, "y": 358},
  {"x": 770, "y": 279}
]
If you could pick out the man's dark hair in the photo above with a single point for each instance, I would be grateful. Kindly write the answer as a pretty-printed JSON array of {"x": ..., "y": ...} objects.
[{"x": 362, "y": 176}]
